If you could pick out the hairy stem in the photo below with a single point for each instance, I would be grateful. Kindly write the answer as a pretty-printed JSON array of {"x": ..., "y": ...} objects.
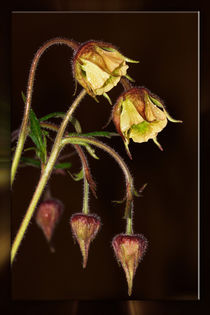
[
  {"x": 23, "y": 130},
  {"x": 44, "y": 176},
  {"x": 85, "y": 208},
  {"x": 126, "y": 84},
  {"x": 129, "y": 180},
  {"x": 129, "y": 226}
]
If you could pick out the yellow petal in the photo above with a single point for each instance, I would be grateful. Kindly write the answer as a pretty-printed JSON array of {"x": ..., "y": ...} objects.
[
  {"x": 152, "y": 112},
  {"x": 129, "y": 116},
  {"x": 111, "y": 82},
  {"x": 147, "y": 130},
  {"x": 94, "y": 75},
  {"x": 112, "y": 59}
]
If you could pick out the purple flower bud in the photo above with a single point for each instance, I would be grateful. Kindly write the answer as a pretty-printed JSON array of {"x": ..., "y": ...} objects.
[
  {"x": 84, "y": 228},
  {"x": 129, "y": 250},
  {"x": 48, "y": 215}
]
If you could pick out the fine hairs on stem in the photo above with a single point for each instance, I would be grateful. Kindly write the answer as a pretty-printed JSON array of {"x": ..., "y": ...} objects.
[
  {"x": 44, "y": 176},
  {"x": 129, "y": 180},
  {"x": 23, "y": 130}
]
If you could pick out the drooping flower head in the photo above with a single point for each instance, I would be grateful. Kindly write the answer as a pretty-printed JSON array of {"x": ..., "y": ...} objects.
[
  {"x": 84, "y": 228},
  {"x": 129, "y": 250},
  {"x": 140, "y": 115},
  {"x": 98, "y": 67},
  {"x": 48, "y": 215}
]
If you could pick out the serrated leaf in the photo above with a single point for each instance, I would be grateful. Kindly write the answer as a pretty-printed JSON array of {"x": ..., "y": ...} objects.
[
  {"x": 37, "y": 136},
  {"x": 64, "y": 165}
]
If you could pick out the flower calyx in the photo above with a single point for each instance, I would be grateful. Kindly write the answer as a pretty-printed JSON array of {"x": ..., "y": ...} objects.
[
  {"x": 129, "y": 251},
  {"x": 48, "y": 215},
  {"x": 84, "y": 228},
  {"x": 98, "y": 67},
  {"x": 140, "y": 115}
]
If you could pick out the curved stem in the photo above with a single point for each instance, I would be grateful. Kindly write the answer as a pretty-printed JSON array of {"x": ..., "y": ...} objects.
[
  {"x": 129, "y": 180},
  {"x": 44, "y": 176},
  {"x": 23, "y": 132}
]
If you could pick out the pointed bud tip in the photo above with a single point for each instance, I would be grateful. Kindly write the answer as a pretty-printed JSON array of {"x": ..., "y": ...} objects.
[
  {"x": 84, "y": 228},
  {"x": 48, "y": 215},
  {"x": 129, "y": 250}
]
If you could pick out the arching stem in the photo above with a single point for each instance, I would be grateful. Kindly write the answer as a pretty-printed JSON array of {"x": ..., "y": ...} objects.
[
  {"x": 23, "y": 130},
  {"x": 129, "y": 180}
]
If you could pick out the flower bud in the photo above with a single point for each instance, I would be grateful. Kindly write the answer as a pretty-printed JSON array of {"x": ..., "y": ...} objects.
[
  {"x": 140, "y": 115},
  {"x": 48, "y": 215},
  {"x": 84, "y": 228},
  {"x": 129, "y": 250},
  {"x": 98, "y": 67}
]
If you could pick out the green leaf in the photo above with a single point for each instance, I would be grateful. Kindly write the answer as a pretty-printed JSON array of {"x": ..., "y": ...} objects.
[
  {"x": 23, "y": 97},
  {"x": 37, "y": 136},
  {"x": 36, "y": 163},
  {"x": 91, "y": 151},
  {"x": 64, "y": 165},
  {"x": 52, "y": 115},
  {"x": 106, "y": 134},
  {"x": 30, "y": 161},
  {"x": 77, "y": 176},
  {"x": 73, "y": 120}
]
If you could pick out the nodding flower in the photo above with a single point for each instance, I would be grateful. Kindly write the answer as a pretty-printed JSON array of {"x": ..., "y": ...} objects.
[
  {"x": 140, "y": 115},
  {"x": 98, "y": 67}
]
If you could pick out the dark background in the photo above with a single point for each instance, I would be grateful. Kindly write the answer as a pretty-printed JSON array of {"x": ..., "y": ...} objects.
[
  {"x": 167, "y": 47},
  {"x": 105, "y": 306}
]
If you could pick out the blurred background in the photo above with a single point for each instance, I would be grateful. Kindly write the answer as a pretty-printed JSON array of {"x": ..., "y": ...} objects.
[
  {"x": 167, "y": 47},
  {"x": 114, "y": 305}
]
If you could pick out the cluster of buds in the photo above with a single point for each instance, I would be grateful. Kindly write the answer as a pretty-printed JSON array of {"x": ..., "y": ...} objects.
[
  {"x": 129, "y": 251},
  {"x": 98, "y": 67}
]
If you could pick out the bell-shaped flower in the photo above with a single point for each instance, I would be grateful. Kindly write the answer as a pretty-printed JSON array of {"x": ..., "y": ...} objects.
[
  {"x": 98, "y": 67},
  {"x": 140, "y": 115}
]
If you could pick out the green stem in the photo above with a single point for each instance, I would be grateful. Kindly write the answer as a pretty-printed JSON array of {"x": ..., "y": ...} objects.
[
  {"x": 129, "y": 180},
  {"x": 86, "y": 174},
  {"x": 44, "y": 177},
  {"x": 129, "y": 226},
  {"x": 23, "y": 129},
  {"x": 85, "y": 208}
]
